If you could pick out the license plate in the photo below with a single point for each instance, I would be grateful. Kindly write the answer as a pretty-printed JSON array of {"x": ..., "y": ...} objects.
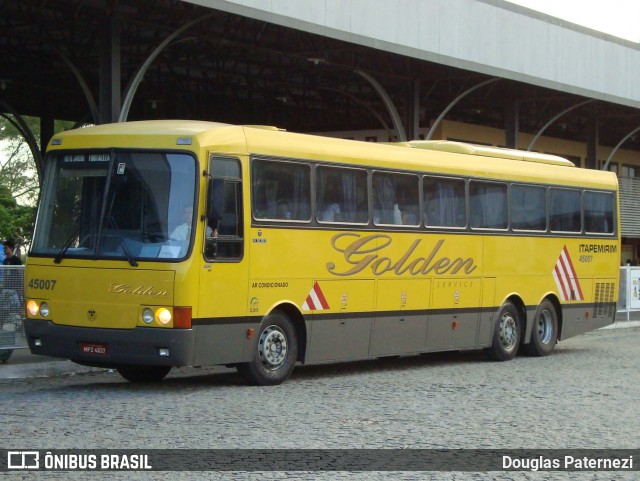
[{"x": 94, "y": 348}]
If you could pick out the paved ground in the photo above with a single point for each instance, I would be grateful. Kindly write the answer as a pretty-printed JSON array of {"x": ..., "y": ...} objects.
[{"x": 586, "y": 395}]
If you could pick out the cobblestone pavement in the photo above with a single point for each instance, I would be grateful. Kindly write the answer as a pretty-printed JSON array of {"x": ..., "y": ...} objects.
[{"x": 586, "y": 395}]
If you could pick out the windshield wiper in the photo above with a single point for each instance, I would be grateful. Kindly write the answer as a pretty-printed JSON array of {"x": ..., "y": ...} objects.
[
  {"x": 112, "y": 222},
  {"x": 66, "y": 246},
  {"x": 127, "y": 252}
]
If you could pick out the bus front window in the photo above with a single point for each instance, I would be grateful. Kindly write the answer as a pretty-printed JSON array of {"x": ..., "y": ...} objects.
[{"x": 122, "y": 205}]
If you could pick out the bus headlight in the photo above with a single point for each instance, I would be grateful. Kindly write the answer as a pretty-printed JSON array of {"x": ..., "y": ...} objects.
[
  {"x": 147, "y": 316},
  {"x": 32, "y": 308},
  {"x": 44, "y": 309},
  {"x": 163, "y": 315}
]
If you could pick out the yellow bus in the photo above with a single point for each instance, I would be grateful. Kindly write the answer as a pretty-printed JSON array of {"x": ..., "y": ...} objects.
[{"x": 183, "y": 243}]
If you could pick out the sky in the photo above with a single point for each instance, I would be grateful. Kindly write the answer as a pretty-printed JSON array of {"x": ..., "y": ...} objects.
[{"x": 620, "y": 18}]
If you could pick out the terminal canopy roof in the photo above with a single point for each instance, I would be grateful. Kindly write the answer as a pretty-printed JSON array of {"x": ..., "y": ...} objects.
[{"x": 75, "y": 60}]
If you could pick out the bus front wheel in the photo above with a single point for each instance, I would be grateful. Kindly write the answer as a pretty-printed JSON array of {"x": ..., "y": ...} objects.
[
  {"x": 545, "y": 330},
  {"x": 275, "y": 351},
  {"x": 506, "y": 334},
  {"x": 144, "y": 373}
]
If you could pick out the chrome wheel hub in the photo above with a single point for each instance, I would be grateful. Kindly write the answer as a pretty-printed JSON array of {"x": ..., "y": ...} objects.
[
  {"x": 508, "y": 331},
  {"x": 272, "y": 347},
  {"x": 545, "y": 327}
]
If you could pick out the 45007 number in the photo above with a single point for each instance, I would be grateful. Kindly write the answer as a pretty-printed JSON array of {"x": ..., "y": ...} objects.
[{"x": 44, "y": 284}]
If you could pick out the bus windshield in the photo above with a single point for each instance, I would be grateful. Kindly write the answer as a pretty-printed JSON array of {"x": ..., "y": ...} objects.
[{"x": 118, "y": 204}]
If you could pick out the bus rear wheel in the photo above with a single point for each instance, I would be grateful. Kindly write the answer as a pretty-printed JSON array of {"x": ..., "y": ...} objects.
[
  {"x": 275, "y": 351},
  {"x": 144, "y": 373},
  {"x": 545, "y": 330},
  {"x": 506, "y": 334}
]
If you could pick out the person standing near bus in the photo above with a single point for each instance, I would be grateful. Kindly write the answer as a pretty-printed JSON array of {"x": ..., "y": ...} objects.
[
  {"x": 12, "y": 282},
  {"x": 9, "y": 251}
]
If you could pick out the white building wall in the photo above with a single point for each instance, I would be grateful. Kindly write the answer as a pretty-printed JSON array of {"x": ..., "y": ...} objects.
[{"x": 489, "y": 36}]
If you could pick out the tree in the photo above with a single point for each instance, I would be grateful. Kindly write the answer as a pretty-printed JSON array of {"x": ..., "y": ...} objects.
[
  {"x": 19, "y": 186},
  {"x": 16, "y": 221},
  {"x": 18, "y": 172}
]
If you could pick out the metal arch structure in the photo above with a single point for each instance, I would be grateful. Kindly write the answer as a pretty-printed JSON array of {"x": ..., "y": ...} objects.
[
  {"x": 454, "y": 102},
  {"x": 605, "y": 166},
  {"x": 391, "y": 108},
  {"x": 93, "y": 107},
  {"x": 135, "y": 82},
  {"x": 368, "y": 108},
  {"x": 553, "y": 119},
  {"x": 18, "y": 122}
]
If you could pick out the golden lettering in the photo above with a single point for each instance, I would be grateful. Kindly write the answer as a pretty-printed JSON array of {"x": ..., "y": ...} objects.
[
  {"x": 441, "y": 266},
  {"x": 365, "y": 252},
  {"x": 139, "y": 290}
]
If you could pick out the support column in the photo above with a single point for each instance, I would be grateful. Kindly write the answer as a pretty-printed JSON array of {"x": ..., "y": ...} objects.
[
  {"x": 511, "y": 122},
  {"x": 412, "y": 114},
  {"x": 110, "y": 66},
  {"x": 46, "y": 126},
  {"x": 593, "y": 142}
]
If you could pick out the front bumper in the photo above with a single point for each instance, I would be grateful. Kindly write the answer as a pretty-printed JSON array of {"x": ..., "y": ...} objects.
[{"x": 138, "y": 346}]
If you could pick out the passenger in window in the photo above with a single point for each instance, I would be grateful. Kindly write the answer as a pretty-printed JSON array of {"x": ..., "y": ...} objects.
[
  {"x": 397, "y": 214},
  {"x": 183, "y": 231},
  {"x": 406, "y": 211},
  {"x": 331, "y": 209},
  {"x": 409, "y": 216},
  {"x": 212, "y": 230},
  {"x": 328, "y": 214},
  {"x": 283, "y": 210}
]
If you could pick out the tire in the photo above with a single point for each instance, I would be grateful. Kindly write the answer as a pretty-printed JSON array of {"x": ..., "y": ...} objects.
[
  {"x": 139, "y": 374},
  {"x": 275, "y": 351},
  {"x": 507, "y": 333},
  {"x": 5, "y": 354},
  {"x": 545, "y": 330}
]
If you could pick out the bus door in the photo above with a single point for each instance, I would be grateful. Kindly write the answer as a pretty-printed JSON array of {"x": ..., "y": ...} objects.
[{"x": 222, "y": 322}]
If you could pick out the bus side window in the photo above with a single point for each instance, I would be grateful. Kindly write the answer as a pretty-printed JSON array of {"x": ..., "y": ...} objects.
[
  {"x": 341, "y": 195},
  {"x": 224, "y": 232},
  {"x": 565, "y": 210},
  {"x": 528, "y": 207},
  {"x": 488, "y": 205},
  {"x": 444, "y": 202},
  {"x": 280, "y": 190},
  {"x": 598, "y": 212},
  {"x": 395, "y": 199}
]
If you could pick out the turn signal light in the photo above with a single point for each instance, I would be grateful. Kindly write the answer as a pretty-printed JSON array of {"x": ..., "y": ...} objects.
[
  {"x": 182, "y": 317},
  {"x": 163, "y": 315},
  {"x": 32, "y": 308}
]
